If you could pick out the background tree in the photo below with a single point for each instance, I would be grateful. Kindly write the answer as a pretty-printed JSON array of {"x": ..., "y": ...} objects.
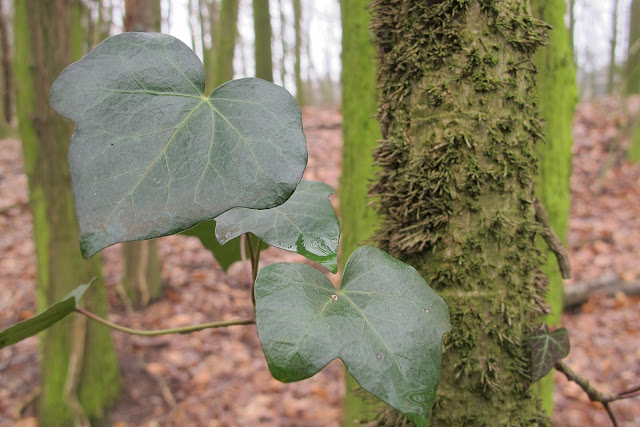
[
  {"x": 456, "y": 190},
  {"x": 6, "y": 105},
  {"x": 262, "y": 31},
  {"x": 79, "y": 370},
  {"x": 141, "y": 270},
  {"x": 633, "y": 73},
  {"x": 360, "y": 133},
  {"x": 297, "y": 20},
  {"x": 557, "y": 96},
  {"x": 611, "y": 73},
  {"x": 226, "y": 33}
]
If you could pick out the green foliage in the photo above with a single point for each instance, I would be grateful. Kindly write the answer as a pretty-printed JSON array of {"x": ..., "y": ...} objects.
[
  {"x": 152, "y": 155},
  {"x": 305, "y": 224},
  {"x": 384, "y": 322},
  {"x": 44, "y": 319},
  {"x": 206, "y": 232},
  {"x": 547, "y": 349}
]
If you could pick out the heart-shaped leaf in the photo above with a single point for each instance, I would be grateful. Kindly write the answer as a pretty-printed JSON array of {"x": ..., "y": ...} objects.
[
  {"x": 152, "y": 155},
  {"x": 44, "y": 319},
  {"x": 385, "y": 323},
  {"x": 547, "y": 349},
  {"x": 305, "y": 224}
]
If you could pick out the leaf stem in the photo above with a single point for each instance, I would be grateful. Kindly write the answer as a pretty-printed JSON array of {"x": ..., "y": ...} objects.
[
  {"x": 254, "y": 254},
  {"x": 180, "y": 330}
]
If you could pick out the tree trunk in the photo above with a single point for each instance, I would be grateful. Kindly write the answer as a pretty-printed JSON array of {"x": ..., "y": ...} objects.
[
  {"x": 226, "y": 32},
  {"x": 43, "y": 47},
  {"x": 141, "y": 276},
  {"x": 557, "y": 97},
  {"x": 360, "y": 133},
  {"x": 7, "y": 75},
  {"x": 633, "y": 74},
  {"x": 456, "y": 189},
  {"x": 262, "y": 31},
  {"x": 297, "y": 18},
  {"x": 611, "y": 75}
]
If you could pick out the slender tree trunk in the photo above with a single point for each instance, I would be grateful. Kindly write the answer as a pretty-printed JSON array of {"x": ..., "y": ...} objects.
[
  {"x": 557, "y": 97},
  {"x": 226, "y": 41},
  {"x": 297, "y": 21},
  {"x": 360, "y": 134},
  {"x": 262, "y": 31},
  {"x": 7, "y": 74},
  {"x": 633, "y": 74},
  {"x": 141, "y": 276},
  {"x": 611, "y": 75},
  {"x": 283, "y": 44},
  {"x": 456, "y": 189},
  {"x": 572, "y": 26},
  {"x": 43, "y": 47}
]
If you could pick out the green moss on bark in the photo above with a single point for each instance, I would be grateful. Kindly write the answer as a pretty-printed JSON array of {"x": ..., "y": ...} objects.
[
  {"x": 557, "y": 96},
  {"x": 262, "y": 31},
  {"x": 360, "y": 134},
  {"x": 42, "y": 49},
  {"x": 456, "y": 188}
]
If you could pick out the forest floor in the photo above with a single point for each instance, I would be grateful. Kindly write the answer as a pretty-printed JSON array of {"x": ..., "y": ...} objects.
[{"x": 220, "y": 377}]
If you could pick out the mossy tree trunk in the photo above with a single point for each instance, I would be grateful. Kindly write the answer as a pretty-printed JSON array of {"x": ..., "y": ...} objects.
[
  {"x": 6, "y": 106},
  {"x": 557, "y": 97},
  {"x": 633, "y": 74},
  {"x": 141, "y": 278},
  {"x": 360, "y": 134},
  {"x": 43, "y": 47},
  {"x": 262, "y": 31},
  {"x": 456, "y": 188}
]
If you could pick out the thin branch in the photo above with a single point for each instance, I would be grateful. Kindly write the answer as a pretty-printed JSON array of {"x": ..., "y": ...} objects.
[
  {"x": 180, "y": 330},
  {"x": 554, "y": 243},
  {"x": 596, "y": 395}
]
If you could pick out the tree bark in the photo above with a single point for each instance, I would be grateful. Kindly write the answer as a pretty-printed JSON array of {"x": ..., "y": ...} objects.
[
  {"x": 262, "y": 31},
  {"x": 7, "y": 74},
  {"x": 226, "y": 41},
  {"x": 611, "y": 75},
  {"x": 43, "y": 47},
  {"x": 141, "y": 276},
  {"x": 557, "y": 97},
  {"x": 456, "y": 189},
  {"x": 360, "y": 134},
  {"x": 633, "y": 75},
  {"x": 297, "y": 18}
]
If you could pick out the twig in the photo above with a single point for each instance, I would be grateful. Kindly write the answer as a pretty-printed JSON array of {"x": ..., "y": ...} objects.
[
  {"x": 180, "y": 330},
  {"x": 243, "y": 256},
  {"x": 594, "y": 394},
  {"x": 554, "y": 243},
  {"x": 164, "y": 387}
]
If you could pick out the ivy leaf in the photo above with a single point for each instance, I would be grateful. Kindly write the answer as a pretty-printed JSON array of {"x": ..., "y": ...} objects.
[
  {"x": 225, "y": 255},
  {"x": 44, "y": 319},
  {"x": 547, "y": 349},
  {"x": 305, "y": 224},
  {"x": 385, "y": 323},
  {"x": 152, "y": 155}
]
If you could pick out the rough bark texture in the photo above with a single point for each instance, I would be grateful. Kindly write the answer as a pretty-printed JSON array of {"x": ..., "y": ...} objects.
[
  {"x": 141, "y": 276},
  {"x": 297, "y": 18},
  {"x": 456, "y": 188},
  {"x": 43, "y": 49},
  {"x": 262, "y": 31},
  {"x": 361, "y": 132},
  {"x": 557, "y": 97},
  {"x": 633, "y": 74}
]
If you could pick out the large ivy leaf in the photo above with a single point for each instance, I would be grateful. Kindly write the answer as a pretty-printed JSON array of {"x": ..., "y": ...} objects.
[
  {"x": 44, "y": 319},
  {"x": 547, "y": 349},
  {"x": 385, "y": 323},
  {"x": 152, "y": 155},
  {"x": 305, "y": 224}
]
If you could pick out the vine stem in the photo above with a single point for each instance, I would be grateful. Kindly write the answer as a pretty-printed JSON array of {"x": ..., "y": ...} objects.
[
  {"x": 254, "y": 254},
  {"x": 594, "y": 394},
  {"x": 180, "y": 330}
]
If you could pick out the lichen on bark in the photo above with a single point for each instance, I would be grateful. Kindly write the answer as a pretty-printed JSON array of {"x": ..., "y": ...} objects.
[{"x": 456, "y": 188}]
